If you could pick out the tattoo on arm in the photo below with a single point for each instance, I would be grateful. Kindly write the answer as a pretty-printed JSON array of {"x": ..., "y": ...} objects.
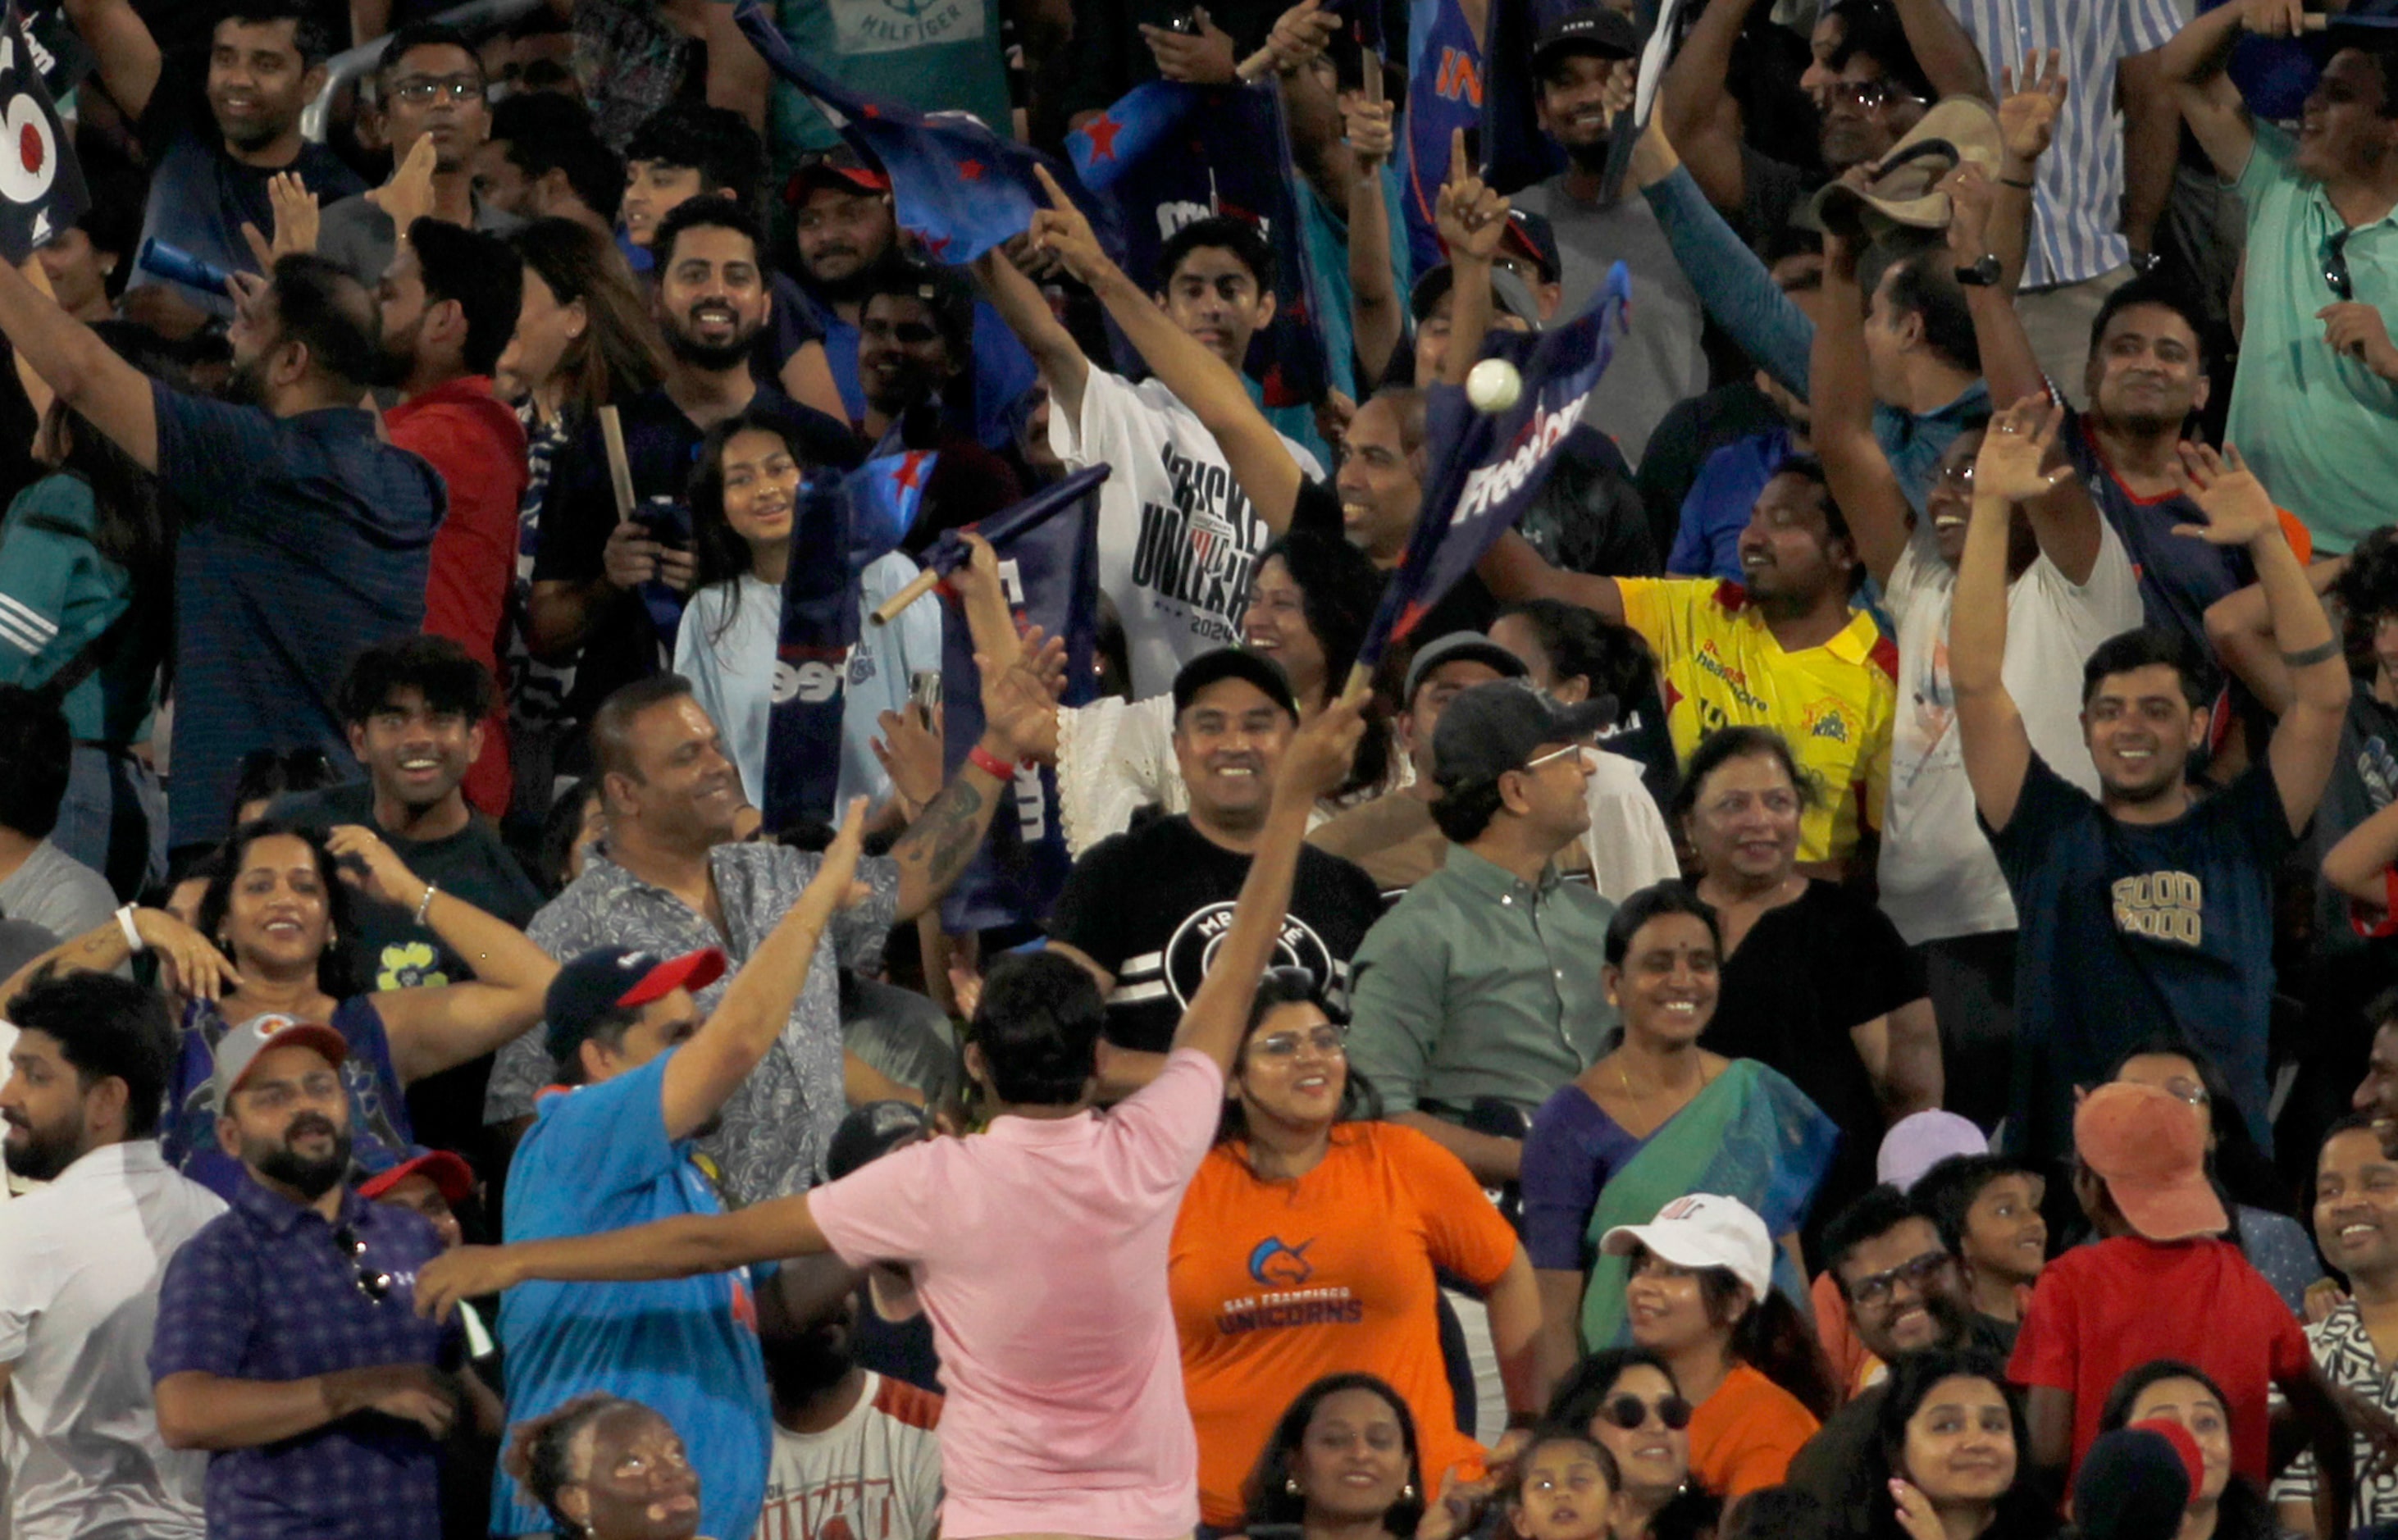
[{"x": 946, "y": 835}]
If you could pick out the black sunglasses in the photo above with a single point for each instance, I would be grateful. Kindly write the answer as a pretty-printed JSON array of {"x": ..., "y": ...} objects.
[
  {"x": 1628, "y": 1411},
  {"x": 2335, "y": 268},
  {"x": 373, "y": 1284}
]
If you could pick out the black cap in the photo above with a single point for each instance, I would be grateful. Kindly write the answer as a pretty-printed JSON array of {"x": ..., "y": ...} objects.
[
  {"x": 606, "y": 979},
  {"x": 1234, "y": 662},
  {"x": 1507, "y": 293},
  {"x": 1532, "y": 235},
  {"x": 1595, "y": 30},
  {"x": 2133, "y": 1485},
  {"x": 868, "y": 1133},
  {"x": 1493, "y": 728},
  {"x": 1473, "y": 645},
  {"x": 840, "y": 167}
]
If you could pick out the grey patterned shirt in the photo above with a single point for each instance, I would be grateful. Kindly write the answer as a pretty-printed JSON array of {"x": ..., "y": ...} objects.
[
  {"x": 776, "y": 1125},
  {"x": 2344, "y": 1352}
]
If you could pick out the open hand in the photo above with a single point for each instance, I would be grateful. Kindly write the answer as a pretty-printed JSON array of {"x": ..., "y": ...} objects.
[
  {"x": 2029, "y": 102},
  {"x": 2238, "y": 508},
  {"x": 1020, "y": 702},
  {"x": 835, "y": 885},
  {"x": 296, "y": 222},
  {"x": 408, "y": 196},
  {"x": 1203, "y": 57},
  {"x": 1471, "y": 217},
  {"x": 2016, "y": 448},
  {"x": 1062, "y": 232}
]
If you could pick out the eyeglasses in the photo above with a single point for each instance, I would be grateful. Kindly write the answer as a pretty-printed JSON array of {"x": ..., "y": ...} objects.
[
  {"x": 373, "y": 1284},
  {"x": 1628, "y": 1411},
  {"x": 2184, "y": 1089},
  {"x": 420, "y": 90},
  {"x": 1537, "y": 761},
  {"x": 2334, "y": 265},
  {"x": 1326, "y": 1041},
  {"x": 1866, "y": 95},
  {"x": 1918, "y": 1275}
]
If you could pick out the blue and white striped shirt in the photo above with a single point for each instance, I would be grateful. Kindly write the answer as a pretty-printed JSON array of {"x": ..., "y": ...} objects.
[{"x": 2077, "y": 204}]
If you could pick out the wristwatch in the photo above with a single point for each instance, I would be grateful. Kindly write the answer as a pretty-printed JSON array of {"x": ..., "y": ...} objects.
[{"x": 1982, "y": 275}]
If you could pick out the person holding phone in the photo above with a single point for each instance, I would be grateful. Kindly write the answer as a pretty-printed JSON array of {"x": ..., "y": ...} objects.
[{"x": 745, "y": 492}]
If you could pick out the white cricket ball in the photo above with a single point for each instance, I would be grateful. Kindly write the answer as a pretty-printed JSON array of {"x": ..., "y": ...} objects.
[{"x": 1493, "y": 386}]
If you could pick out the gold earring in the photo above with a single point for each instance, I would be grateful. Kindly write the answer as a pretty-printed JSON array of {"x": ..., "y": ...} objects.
[{"x": 1408, "y": 1492}]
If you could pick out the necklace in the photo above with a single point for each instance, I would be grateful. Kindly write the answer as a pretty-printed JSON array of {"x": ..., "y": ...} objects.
[{"x": 1626, "y": 1075}]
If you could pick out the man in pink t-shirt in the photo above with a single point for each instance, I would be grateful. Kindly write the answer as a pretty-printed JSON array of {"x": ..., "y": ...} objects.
[{"x": 1038, "y": 1248}]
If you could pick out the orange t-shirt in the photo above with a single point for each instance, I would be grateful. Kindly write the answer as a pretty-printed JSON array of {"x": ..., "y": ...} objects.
[
  {"x": 1277, "y": 1284},
  {"x": 1744, "y": 1436}
]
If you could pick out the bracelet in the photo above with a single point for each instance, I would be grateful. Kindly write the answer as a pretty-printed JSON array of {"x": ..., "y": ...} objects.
[
  {"x": 426, "y": 902},
  {"x": 2010, "y": 182},
  {"x": 990, "y": 764},
  {"x": 2322, "y": 653},
  {"x": 133, "y": 942}
]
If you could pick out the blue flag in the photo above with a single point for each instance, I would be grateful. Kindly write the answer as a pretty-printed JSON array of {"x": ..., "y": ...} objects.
[
  {"x": 1444, "y": 94},
  {"x": 887, "y": 494},
  {"x": 1488, "y": 467},
  {"x": 1049, "y": 562},
  {"x": 957, "y": 185},
  {"x": 1514, "y": 152},
  {"x": 812, "y": 647},
  {"x": 1169, "y": 154}
]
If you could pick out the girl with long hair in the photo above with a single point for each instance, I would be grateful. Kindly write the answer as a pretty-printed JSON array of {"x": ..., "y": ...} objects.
[
  {"x": 1629, "y": 1401},
  {"x": 1952, "y": 1446},
  {"x": 2226, "y": 1504}
]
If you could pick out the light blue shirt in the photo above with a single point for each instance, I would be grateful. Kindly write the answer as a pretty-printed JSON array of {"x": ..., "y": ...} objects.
[{"x": 730, "y": 666}]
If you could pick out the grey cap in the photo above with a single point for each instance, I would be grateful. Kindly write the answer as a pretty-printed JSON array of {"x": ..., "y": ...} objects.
[
  {"x": 1472, "y": 645},
  {"x": 240, "y": 1048},
  {"x": 1493, "y": 728}
]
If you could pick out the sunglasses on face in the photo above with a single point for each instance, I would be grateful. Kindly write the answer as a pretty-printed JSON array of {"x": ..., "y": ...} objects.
[
  {"x": 1629, "y": 1411},
  {"x": 374, "y": 1285}
]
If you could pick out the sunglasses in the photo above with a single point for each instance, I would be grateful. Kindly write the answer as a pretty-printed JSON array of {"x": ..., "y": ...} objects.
[
  {"x": 1628, "y": 1411},
  {"x": 374, "y": 1285},
  {"x": 2334, "y": 265}
]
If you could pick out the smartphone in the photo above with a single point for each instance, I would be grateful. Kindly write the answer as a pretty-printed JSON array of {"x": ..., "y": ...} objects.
[
  {"x": 657, "y": 520},
  {"x": 925, "y": 690},
  {"x": 1186, "y": 22}
]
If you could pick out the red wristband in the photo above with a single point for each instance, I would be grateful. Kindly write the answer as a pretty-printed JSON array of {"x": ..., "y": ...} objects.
[{"x": 989, "y": 764}]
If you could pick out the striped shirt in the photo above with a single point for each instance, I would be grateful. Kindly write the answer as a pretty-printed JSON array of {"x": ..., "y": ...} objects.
[{"x": 2078, "y": 201}]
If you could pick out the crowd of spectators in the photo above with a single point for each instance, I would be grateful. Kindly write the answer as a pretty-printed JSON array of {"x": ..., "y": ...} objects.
[{"x": 1838, "y": 986}]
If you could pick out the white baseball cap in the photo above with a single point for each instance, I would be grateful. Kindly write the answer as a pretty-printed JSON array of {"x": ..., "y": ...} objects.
[{"x": 1703, "y": 1230}]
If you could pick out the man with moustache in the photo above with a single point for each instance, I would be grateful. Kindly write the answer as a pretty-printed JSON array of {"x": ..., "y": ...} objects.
[
  {"x": 303, "y": 537},
  {"x": 80, "y": 1260},
  {"x": 615, "y": 587},
  {"x": 287, "y": 1346},
  {"x": 1906, "y": 1292},
  {"x": 2356, "y": 1225}
]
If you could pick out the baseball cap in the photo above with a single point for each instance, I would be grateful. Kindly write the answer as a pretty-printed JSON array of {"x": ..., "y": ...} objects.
[
  {"x": 450, "y": 1174},
  {"x": 608, "y": 978},
  {"x": 1234, "y": 662},
  {"x": 1921, "y": 1140},
  {"x": 1592, "y": 30},
  {"x": 240, "y": 1048},
  {"x": 868, "y": 1133},
  {"x": 839, "y": 167},
  {"x": 1959, "y": 130},
  {"x": 1497, "y": 726},
  {"x": 2149, "y": 1147},
  {"x": 1473, "y": 645},
  {"x": 1702, "y": 1230},
  {"x": 2136, "y": 1482},
  {"x": 1508, "y": 293},
  {"x": 1532, "y": 235}
]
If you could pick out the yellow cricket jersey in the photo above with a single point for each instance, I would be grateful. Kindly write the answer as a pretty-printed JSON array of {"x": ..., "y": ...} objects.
[{"x": 1833, "y": 702}]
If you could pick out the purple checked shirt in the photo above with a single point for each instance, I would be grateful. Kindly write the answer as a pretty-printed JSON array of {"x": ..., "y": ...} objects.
[{"x": 264, "y": 1292}]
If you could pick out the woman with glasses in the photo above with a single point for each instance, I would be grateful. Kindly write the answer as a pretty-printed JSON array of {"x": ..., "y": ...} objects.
[
  {"x": 1658, "y": 1117},
  {"x": 1951, "y": 1449},
  {"x": 1308, "y": 1243},
  {"x": 1815, "y": 982},
  {"x": 1627, "y": 1399},
  {"x": 2275, "y": 1244}
]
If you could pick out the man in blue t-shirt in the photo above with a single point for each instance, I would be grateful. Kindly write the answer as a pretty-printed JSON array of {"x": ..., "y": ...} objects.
[
  {"x": 2146, "y": 911},
  {"x": 640, "y": 1075},
  {"x": 304, "y": 537}
]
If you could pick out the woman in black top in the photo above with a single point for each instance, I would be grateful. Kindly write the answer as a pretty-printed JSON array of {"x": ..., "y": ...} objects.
[
  {"x": 1815, "y": 981},
  {"x": 1953, "y": 1452}
]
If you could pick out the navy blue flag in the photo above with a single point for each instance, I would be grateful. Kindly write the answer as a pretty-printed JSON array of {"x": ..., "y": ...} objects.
[
  {"x": 1488, "y": 467},
  {"x": 957, "y": 185},
  {"x": 1049, "y": 562},
  {"x": 1168, "y": 155},
  {"x": 1514, "y": 152},
  {"x": 812, "y": 659}
]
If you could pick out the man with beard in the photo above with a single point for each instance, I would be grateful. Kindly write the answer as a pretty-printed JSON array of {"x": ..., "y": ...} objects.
[
  {"x": 449, "y": 302},
  {"x": 267, "y": 62},
  {"x": 287, "y": 1344},
  {"x": 416, "y": 708},
  {"x": 80, "y": 1262},
  {"x": 428, "y": 86},
  {"x": 613, "y": 587},
  {"x": 303, "y": 537},
  {"x": 1583, "y": 66},
  {"x": 1906, "y": 1292},
  {"x": 915, "y": 346},
  {"x": 638, "y": 1075},
  {"x": 2144, "y": 912}
]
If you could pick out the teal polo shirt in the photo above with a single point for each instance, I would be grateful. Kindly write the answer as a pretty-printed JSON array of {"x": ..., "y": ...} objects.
[{"x": 2320, "y": 429}]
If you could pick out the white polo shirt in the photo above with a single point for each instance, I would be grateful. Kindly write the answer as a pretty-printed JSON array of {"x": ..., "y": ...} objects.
[{"x": 80, "y": 1262}]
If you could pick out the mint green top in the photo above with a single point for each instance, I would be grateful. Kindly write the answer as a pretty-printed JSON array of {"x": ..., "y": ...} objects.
[
  {"x": 57, "y": 593},
  {"x": 2320, "y": 429}
]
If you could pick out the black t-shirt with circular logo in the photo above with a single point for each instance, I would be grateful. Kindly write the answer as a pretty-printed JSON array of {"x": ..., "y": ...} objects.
[{"x": 1153, "y": 905}]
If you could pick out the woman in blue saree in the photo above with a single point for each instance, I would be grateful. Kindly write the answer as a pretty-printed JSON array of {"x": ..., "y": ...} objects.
[{"x": 1657, "y": 1117}]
